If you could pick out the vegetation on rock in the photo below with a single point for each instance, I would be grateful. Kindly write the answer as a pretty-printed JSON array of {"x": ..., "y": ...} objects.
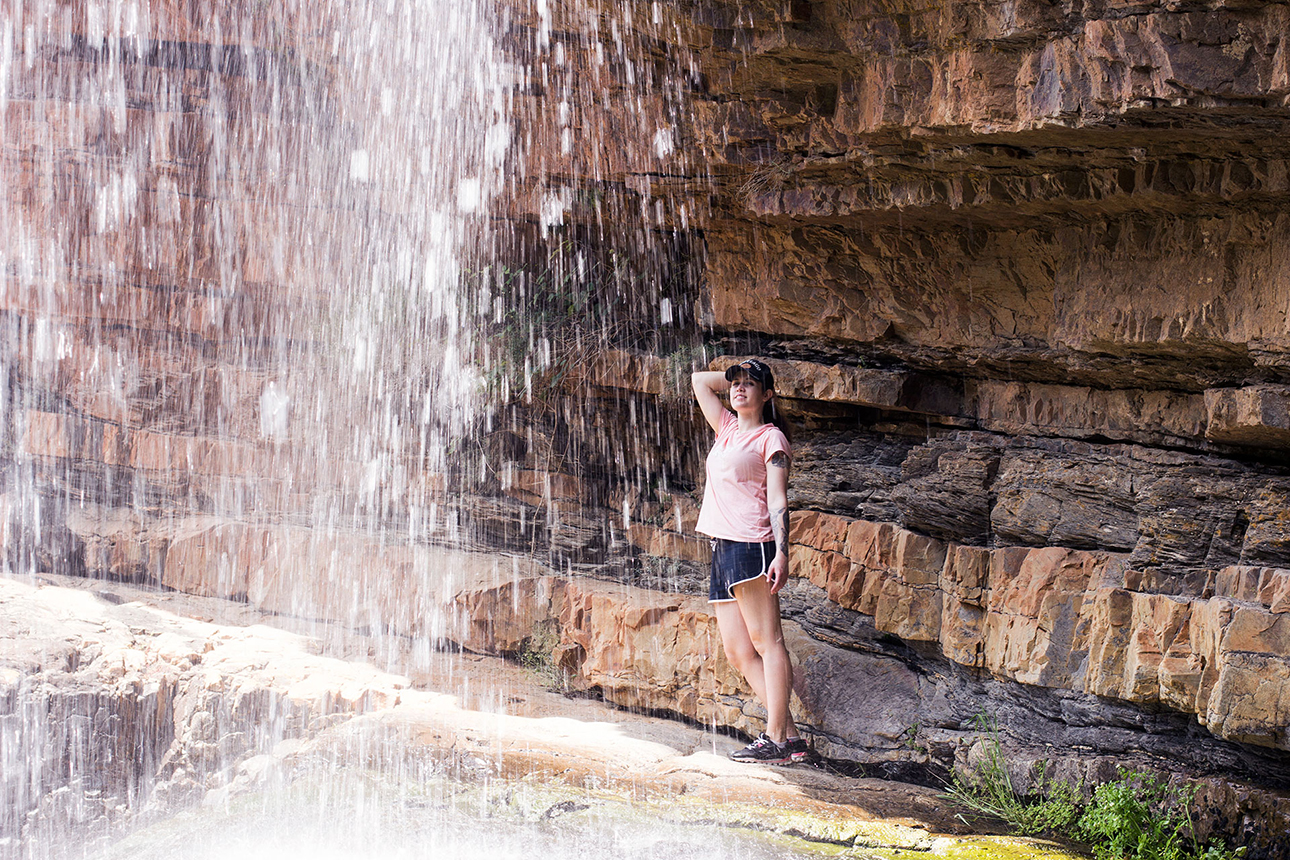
[
  {"x": 1052, "y": 809},
  {"x": 1135, "y": 817},
  {"x": 1141, "y": 817}
]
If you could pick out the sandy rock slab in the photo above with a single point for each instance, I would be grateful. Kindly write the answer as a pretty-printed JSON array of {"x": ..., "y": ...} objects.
[{"x": 136, "y": 720}]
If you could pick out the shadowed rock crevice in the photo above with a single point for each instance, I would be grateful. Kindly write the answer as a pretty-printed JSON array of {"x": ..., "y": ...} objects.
[{"x": 1045, "y": 722}]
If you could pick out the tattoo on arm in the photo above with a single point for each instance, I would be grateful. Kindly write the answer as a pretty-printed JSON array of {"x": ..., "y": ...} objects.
[
  {"x": 779, "y": 526},
  {"x": 779, "y": 516}
]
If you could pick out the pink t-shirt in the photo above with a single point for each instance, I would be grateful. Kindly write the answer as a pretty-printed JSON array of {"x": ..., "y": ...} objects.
[{"x": 734, "y": 499}]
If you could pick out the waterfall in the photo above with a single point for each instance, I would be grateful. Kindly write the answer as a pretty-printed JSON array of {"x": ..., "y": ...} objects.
[
  {"x": 273, "y": 279},
  {"x": 236, "y": 348}
]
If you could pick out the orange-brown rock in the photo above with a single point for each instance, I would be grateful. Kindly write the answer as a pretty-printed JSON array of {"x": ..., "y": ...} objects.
[
  {"x": 1140, "y": 415},
  {"x": 487, "y": 605},
  {"x": 820, "y": 554},
  {"x": 617, "y": 368},
  {"x": 665, "y": 543},
  {"x": 1056, "y": 618},
  {"x": 1047, "y": 617},
  {"x": 1021, "y": 271},
  {"x": 1248, "y": 702},
  {"x": 965, "y": 585},
  {"x": 1257, "y": 415},
  {"x": 1035, "y": 631},
  {"x": 909, "y": 598},
  {"x": 650, "y": 651},
  {"x": 807, "y": 381},
  {"x": 1130, "y": 638}
]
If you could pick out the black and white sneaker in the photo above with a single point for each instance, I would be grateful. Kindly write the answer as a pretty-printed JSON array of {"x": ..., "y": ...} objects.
[
  {"x": 800, "y": 751},
  {"x": 763, "y": 751}
]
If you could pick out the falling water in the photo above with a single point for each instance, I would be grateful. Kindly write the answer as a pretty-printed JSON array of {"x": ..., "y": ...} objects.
[
  {"x": 233, "y": 241},
  {"x": 273, "y": 278},
  {"x": 234, "y": 244}
]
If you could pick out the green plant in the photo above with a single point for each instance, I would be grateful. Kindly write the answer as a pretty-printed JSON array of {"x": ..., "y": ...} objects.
[
  {"x": 1052, "y": 808},
  {"x": 680, "y": 362},
  {"x": 1141, "y": 817},
  {"x": 538, "y": 656},
  {"x": 566, "y": 303},
  {"x": 911, "y": 739},
  {"x": 1136, "y": 816}
]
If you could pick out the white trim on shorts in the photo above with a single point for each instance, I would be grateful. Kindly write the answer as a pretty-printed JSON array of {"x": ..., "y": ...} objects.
[{"x": 730, "y": 589}]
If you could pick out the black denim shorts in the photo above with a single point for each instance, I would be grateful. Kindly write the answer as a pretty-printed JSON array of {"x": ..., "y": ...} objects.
[{"x": 734, "y": 562}]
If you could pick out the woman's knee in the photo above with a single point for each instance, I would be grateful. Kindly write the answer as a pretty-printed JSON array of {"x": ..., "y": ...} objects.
[
  {"x": 741, "y": 654},
  {"x": 768, "y": 645},
  {"x": 765, "y": 631}
]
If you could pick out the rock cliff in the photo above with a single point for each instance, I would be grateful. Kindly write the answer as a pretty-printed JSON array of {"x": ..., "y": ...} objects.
[{"x": 1016, "y": 266}]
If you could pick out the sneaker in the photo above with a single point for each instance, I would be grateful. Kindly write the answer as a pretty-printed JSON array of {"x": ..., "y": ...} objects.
[
  {"x": 800, "y": 751},
  {"x": 763, "y": 751}
]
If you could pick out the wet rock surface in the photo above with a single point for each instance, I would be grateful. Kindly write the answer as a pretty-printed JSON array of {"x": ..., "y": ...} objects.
[
  {"x": 902, "y": 643},
  {"x": 211, "y": 703}
]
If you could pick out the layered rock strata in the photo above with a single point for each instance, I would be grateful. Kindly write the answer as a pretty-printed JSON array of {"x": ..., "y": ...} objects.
[
  {"x": 902, "y": 641},
  {"x": 1020, "y": 269}
]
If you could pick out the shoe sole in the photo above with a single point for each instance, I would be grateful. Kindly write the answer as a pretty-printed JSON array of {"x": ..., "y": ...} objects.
[
  {"x": 788, "y": 759},
  {"x": 794, "y": 758},
  {"x": 774, "y": 761}
]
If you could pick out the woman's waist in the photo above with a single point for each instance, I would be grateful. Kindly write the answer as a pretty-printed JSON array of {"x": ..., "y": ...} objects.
[{"x": 727, "y": 542}]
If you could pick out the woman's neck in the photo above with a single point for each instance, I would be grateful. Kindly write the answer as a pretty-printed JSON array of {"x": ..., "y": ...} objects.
[{"x": 748, "y": 421}]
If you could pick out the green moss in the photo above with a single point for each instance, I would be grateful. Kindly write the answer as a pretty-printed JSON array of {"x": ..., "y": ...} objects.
[
  {"x": 827, "y": 836},
  {"x": 1004, "y": 848}
]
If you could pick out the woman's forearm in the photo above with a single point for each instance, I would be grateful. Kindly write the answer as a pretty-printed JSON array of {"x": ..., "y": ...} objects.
[
  {"x": 709, "y": 380},
  {"x": 777, "y": 499},
  {"x": 708, "y": 386},
  {"x": 779, "y": 528}
]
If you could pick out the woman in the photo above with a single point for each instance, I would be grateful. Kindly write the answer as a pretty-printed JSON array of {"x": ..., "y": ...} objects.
[{"x": 745, "y": 512}]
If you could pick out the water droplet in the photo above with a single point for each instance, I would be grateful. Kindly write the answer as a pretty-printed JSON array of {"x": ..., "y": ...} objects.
[
  {"x": 360, "y": 166},
  {"x": 469, "y": 195}
]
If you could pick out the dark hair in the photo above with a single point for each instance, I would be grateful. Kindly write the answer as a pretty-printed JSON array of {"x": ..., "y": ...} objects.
[
  {"x": 771, "y": 415},
  {"x": 760, "y": 373}
]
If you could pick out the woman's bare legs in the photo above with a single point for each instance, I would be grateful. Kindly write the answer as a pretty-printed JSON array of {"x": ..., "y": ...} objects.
[{"x": 753, "y": 640}]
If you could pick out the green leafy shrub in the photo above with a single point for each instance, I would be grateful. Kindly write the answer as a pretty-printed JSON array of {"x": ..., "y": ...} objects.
[
  {"x": 1135, "y": 817},
  {"x": 1140, "y": 817},
  {"x": 1052, "y": 809}
]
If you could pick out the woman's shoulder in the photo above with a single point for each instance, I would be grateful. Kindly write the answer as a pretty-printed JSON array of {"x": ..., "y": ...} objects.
[{"x": 773, "y": 439}]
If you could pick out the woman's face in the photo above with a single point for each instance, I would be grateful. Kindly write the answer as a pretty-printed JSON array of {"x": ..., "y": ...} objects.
[{"x": 748, "y": 394}]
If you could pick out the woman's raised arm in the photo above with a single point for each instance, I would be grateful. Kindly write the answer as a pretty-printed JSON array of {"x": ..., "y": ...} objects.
[{"x": 708, "y": 385}]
